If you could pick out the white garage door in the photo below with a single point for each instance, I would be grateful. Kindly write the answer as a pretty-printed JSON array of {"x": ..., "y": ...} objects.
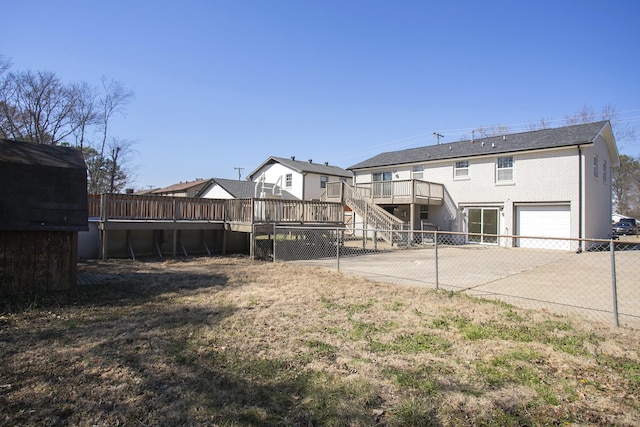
[{"x": 544, "y": 221}]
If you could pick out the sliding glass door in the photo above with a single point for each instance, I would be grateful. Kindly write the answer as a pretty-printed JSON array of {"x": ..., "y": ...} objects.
[{"x": 483, "y": 221}]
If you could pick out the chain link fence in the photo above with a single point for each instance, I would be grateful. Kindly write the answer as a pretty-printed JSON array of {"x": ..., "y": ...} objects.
[{"x": 593, "y": 278}]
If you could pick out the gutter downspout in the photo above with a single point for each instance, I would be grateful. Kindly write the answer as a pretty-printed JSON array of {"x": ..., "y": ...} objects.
[
  {"x": 304, "y": 183},
  {"x": 580, "y": 209}
]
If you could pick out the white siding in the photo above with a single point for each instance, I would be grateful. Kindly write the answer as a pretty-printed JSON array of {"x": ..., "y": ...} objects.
[
  {"x": 598, "y": 204},
  {"x": 217, "y": 192},
  {"x": 549, "y": 176},
  {"x": 275, "y": 173}
]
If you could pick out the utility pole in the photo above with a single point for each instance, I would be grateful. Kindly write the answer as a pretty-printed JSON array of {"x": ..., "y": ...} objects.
[
  {"x": 438, "y": 136},
  {"x": 239, "y": 172}
]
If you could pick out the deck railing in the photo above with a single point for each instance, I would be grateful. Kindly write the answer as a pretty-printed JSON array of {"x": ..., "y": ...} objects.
[
  {"x": 385, "y": 192},
  {"x": 166, "y": 208}
]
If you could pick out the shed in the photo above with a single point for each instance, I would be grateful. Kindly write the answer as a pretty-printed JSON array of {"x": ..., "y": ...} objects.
[{"x": 43, "y": 205}]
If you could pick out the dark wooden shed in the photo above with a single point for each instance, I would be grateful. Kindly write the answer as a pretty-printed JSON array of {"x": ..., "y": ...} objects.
[{"x": 43, "y": 205}]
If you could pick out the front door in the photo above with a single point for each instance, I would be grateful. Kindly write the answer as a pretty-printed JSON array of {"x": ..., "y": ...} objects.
[{"x": 483, "y": 221}]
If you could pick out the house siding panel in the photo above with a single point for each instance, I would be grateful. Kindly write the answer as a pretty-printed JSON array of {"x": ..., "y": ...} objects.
[
  {"x": 217, "y": 192},
  {"x": 598, "y": 204},
  {"x": 275, "y": 174}
]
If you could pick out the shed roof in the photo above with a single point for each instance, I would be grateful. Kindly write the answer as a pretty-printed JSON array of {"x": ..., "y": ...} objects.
[
  {"x": 525, "y": 141},
  {"x": 29, "y": 153}
]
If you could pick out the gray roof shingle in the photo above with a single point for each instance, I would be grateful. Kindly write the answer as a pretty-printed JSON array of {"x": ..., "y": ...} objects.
[
  {"x": 524, "y": 141},
  {"x": 29, "y": 153},
  {"x": 308, "y": 166}
]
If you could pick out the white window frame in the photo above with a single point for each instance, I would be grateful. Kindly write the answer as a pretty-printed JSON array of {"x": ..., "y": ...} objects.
[
  {"x": 323, "y": 181},
  {"x": 417, "y": 172},
  {"x": 502, "y": 168},
  {"x": 288, "y": 180},
  {"x": 460, "y": 171}
]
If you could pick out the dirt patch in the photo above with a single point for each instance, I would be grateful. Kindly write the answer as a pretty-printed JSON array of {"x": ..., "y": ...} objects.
[{"x": 229, "y": 341}]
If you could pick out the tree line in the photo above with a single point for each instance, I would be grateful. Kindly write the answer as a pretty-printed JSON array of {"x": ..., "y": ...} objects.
[{"x": 38, "y": 107}]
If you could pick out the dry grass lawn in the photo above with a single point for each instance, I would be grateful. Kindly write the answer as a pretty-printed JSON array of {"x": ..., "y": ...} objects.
[{"x": 232, "y": 342}]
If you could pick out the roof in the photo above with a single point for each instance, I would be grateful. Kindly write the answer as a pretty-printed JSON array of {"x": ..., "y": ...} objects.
[
  {"x": 29, "y": 153},
  {"x": 181, "y": 186},
  {"x": 305, "y": 167},
  {"x": 510, "y": 143},
  {"x": 238, "y": 189},
  {"x": 244, "y": 189}
]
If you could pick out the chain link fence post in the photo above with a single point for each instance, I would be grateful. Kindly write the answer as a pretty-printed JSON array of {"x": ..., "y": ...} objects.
[
  {"x": 274, "y": 241},
  {"x": 612, "y": 249},
  {"x": 338, "y": 248},
  {"x": 435, "y": 248}
]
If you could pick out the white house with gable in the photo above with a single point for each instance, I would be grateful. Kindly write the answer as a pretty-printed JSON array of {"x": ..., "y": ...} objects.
[{"x": 305, "y": 180}]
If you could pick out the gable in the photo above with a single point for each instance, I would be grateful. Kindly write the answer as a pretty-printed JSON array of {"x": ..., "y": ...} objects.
[{"x": 300, "y": 167}]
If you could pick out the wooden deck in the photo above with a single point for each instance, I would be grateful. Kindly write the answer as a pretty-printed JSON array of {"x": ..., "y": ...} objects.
[{"x": 137, "y": 213}]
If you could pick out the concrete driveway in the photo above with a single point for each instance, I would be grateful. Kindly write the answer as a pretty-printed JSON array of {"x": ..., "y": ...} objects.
[{"x": 561, "y": 282}]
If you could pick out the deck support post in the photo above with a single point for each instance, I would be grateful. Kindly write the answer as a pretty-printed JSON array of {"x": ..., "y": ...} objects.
[
  {"x": 204, "y": 242},
  {"x": 130, "y": 246},
  {"x": 104, "y": 218},
  {"x": 174, "y": 251}
]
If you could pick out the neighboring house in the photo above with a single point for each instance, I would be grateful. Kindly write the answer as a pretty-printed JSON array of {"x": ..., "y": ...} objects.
[
  {"x": 550, "y": 182},
  {"x": 219, "y": 188},
  {"x": 43, "y": 205},
  {"x": 304, "y": 180},
  {"x": 182, "y": 189}
]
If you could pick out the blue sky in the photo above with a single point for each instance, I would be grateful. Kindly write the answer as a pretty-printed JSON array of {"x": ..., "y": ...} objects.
[{"x": 221, "y": 85}]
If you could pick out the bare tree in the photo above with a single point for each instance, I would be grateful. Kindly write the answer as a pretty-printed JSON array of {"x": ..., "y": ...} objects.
[
  {"x": 115, "y": 98},
  {"x": 623, "y": 131},
  {"x": 86, "y": 114},
  {"x": 584, "y": 115},
  {"x": 540, "y": 124},
  {"x": 492, "y": 130},
  {"x": 37, "y": 107}
]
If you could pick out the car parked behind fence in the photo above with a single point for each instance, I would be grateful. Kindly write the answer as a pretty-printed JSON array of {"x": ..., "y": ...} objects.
[{"x": 625, "y": 226}]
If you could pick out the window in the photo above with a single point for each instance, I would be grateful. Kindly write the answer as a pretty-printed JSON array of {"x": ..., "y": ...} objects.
[
  {"x": 381, "y": 176},
  {"x": 424, "y": 212},
  {"x": 483, "y": 222},
  {"x": 604, "y": 171},
  {"x": 595, "y": 166},
  {"x": 461, "y": 169},
  {"x": 323, "y": 181},
  {"x": 505, "y": 169},
  {"x": 382, "y": 184},
  {"x": 417, "y": 172},
  {"x": 288, "y": 180}
]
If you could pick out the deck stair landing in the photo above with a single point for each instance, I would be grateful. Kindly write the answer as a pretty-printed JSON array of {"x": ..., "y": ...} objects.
[{"x": 374, "y": 216}]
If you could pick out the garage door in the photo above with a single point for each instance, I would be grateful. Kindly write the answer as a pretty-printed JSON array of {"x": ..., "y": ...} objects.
[{"x": 543, "y": 221}]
